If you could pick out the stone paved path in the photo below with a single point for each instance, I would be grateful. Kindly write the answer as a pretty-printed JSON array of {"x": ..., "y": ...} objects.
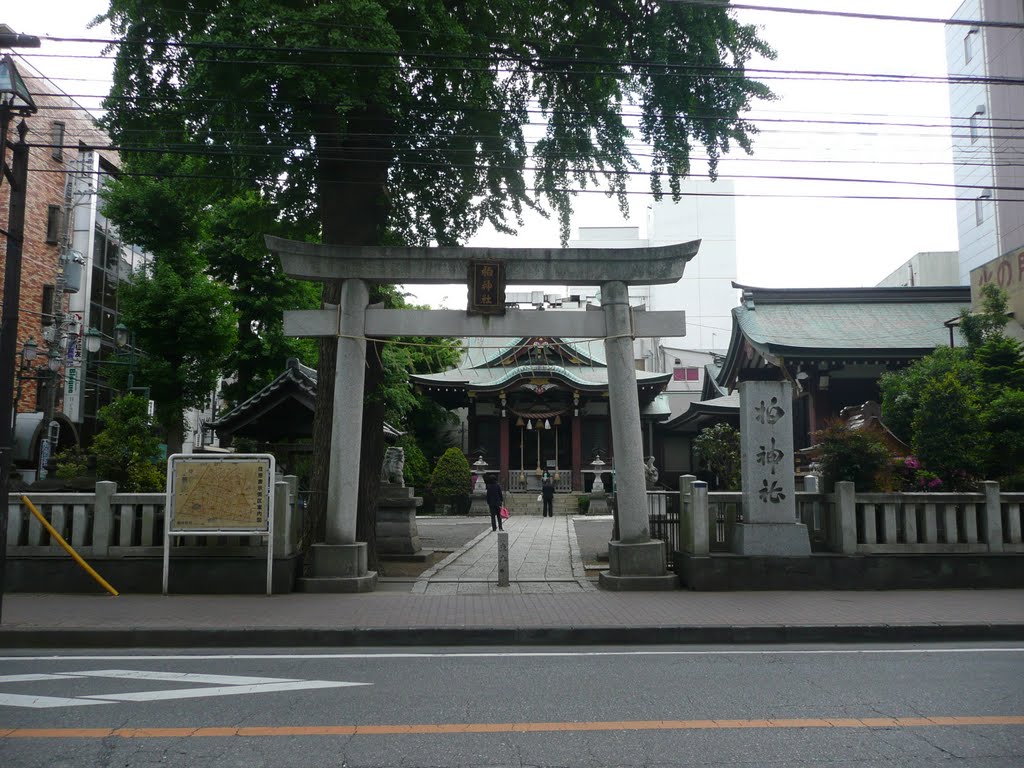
[{"x": 544, "y": 558}]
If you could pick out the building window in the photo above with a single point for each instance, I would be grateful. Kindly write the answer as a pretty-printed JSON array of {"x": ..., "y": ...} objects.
[
  {"x": 57, "y": 140},
  {"x": 682, "y": 373},
  {"x": 975, "y": 123},
  {"x": 969, "y": 44},
  {"x": 979, "y": 207},
  {"x": 52, "y": 224},
  {"x": 47, "y": 307}
]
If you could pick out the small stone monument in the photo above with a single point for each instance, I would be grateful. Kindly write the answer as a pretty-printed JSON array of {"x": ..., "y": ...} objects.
[
  {"x": 598, "y": 497},
  {"x": 397, "y": 534},
  {"x": 769, "y": 527}
]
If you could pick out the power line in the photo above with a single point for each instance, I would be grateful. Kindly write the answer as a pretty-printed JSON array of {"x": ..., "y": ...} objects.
[
  {"x": 626, "y": 71},
  {"x": 965, "y": 122},
  {"x": 276, "y": 177},
  {"x": 849, "y": 14}
]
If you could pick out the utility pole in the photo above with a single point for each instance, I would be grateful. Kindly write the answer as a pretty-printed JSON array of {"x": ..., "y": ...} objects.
[{"x": 14, "y": 100}]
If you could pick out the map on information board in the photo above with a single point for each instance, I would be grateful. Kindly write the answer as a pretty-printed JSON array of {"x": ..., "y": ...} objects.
[{"x": 213, "y": 493}]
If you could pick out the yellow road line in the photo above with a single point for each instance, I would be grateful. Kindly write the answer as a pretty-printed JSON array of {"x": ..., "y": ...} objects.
[{"x": 460, "y": 728}]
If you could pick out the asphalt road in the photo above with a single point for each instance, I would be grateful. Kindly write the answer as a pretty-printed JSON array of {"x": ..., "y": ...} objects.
[{"x": 831, "y": 706}]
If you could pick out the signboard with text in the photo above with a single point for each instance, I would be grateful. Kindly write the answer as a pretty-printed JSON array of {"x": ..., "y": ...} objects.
[
  {"x": 1008, "y": 273},
  {"x": 220, "y": 495},
  {"x": 486, "y": 287}
]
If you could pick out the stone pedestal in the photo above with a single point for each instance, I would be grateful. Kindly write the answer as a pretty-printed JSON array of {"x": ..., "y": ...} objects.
[
  {"x": 598, "y": 503},
  {"x": 339, "y": 568},
  {"x": 397, "y": 534},
  {"x": 637, "y": 566},
  {"x": 771, "y": 539}
]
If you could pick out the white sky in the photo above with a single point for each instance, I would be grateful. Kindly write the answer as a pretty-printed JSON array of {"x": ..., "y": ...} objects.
[{"x": 781, "y": 242}]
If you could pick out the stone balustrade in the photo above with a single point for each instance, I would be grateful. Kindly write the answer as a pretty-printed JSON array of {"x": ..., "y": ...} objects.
[
  {"x": 854, "y": 523},
  {"x": 108, "y": 524}
]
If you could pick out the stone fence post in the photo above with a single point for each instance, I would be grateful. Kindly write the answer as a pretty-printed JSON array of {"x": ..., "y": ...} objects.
[
  {"x": 685, "y": 512},
  {"x": 993, "y": 524},
  {"x": 699, "y": 520},
  {"x": 103, "y": 518},
  {"x": 845, "y": 523},
  {"x": 287, "y": 517}
]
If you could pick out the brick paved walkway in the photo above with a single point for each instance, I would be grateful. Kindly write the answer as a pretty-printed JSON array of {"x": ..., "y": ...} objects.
[{"x": 544, "y": 558}]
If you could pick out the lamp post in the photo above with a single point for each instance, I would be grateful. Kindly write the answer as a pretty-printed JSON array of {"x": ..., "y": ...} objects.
[{"x": 15, "y": 99}]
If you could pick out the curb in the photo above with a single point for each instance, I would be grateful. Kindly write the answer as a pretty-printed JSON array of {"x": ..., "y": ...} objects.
[{"x": 141, "y": 637}]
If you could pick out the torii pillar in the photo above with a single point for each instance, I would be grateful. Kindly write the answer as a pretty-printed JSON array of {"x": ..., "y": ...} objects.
[{"x": 340, "y": 564}]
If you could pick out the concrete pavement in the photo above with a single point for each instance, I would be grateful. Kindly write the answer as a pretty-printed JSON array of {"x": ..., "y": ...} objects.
[{"x": 544, "y": 558}]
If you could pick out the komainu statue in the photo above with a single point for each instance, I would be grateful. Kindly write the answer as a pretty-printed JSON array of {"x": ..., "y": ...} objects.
[{"x": 394, "y": 465}]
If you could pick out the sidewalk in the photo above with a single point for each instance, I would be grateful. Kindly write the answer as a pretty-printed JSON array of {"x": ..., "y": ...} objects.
[
  {"x": 549, "y": 602},
  {"x": 593, "y": 617}
]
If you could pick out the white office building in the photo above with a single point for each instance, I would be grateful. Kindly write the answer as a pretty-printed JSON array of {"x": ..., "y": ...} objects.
[{"x": 986, "y": 66}]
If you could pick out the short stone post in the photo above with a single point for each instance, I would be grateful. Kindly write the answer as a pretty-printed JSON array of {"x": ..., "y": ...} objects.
[
  {"x": 845, "y": 524},
  {"x": 502, "y": 558},
  {"x": 993, "y": 516},
  {"x": 699, "y": 521},
  {"x": 685, "y": 512},
  {"x": 287, "y": 520},
  {"x": 769, "y": 527},
  {"x": 103, "y": 518}
]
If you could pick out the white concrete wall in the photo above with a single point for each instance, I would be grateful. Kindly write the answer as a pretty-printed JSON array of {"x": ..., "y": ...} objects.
[{"x": 927, "y": 268}]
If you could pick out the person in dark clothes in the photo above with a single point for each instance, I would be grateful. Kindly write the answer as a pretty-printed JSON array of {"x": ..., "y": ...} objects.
[
  {"x": 547, "y": 493},
  {"x": 494, "y": 501}
]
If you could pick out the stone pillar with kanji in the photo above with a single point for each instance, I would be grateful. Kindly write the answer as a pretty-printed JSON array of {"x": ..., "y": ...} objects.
[{"x": 770, "y": 527}]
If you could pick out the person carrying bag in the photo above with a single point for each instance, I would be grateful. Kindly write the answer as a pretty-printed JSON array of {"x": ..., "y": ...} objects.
[{"x": 495, "y": 503}]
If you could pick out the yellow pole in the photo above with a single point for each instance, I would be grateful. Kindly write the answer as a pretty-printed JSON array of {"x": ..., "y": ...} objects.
[{"x": 67, "y": 547}]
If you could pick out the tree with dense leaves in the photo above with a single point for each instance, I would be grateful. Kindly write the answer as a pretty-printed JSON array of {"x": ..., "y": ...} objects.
[{"x": 395, "y": 122}]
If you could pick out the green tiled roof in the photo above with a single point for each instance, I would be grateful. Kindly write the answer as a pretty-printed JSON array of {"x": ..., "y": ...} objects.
[{"x": 862, "y": 320}]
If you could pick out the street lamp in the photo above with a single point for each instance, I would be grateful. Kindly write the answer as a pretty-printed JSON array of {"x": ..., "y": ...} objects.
[
  {"x": 93, "y": 339},
  {"x": 15, "y": 99}
]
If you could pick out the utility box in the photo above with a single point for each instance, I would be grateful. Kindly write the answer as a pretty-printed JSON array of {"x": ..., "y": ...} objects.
[{"x": 74, "y": 265}]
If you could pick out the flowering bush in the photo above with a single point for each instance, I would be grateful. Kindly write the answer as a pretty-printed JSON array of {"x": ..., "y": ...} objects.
[{"x": 912, "y": 476}]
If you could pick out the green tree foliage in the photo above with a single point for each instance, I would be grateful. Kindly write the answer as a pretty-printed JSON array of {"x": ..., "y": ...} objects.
[
  {"x": 369, "y": 122},
  {"x": 855, "y": 455},
  {"x": 719, "y": 448},
  {"x": 451, "y": 475},
  {"x": 901, "y": 390},
  {"x": 1004, "y": 427},
  {"x": 126, "y": 450},
  {"x": 231, "y": 243},
  {"x": 184, "y": 322},
  {"x": 947, "y": 429},
  {"x": 987, "y": 323},
  {"x": 960, "y": 408},
  {"x": 417, "y": 468}
]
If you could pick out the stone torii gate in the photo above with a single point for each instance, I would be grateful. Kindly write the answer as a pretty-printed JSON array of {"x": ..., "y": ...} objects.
[{"x": 635, "y": 560}]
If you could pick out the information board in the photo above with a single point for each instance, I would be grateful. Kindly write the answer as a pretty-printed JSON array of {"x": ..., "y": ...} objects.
[{"x": 220, "y": 495}]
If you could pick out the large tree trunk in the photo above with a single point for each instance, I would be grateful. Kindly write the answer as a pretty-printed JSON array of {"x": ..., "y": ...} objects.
[{"x": 353, "y": 211}]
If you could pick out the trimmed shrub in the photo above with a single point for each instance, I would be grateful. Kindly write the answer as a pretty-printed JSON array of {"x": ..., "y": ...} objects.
[{"x": 451, "y": 475}]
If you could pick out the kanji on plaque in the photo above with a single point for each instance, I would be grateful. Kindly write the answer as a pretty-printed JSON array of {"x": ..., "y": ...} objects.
[{"x": 486, "y": 287}]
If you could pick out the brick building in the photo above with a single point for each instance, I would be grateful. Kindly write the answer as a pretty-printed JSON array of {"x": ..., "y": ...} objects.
[{"x": 72, "y": 260}]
